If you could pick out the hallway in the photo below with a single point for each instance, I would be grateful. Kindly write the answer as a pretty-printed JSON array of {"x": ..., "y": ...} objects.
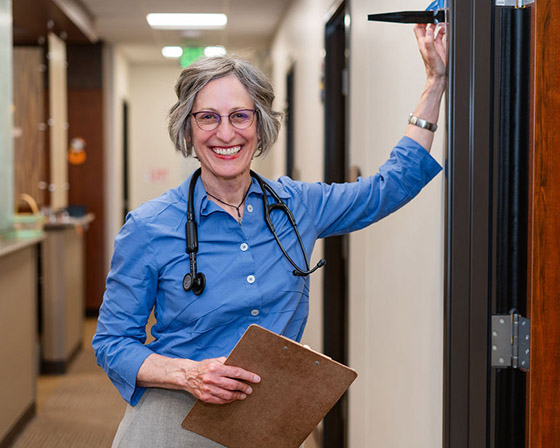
[{"x": 78, "y": 409}]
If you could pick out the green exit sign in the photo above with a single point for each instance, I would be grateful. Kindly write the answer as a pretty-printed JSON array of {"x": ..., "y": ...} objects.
[{"x": 190, "y": 54}]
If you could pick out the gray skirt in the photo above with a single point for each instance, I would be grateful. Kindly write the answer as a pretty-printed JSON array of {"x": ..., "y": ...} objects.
[{"x": 156, "y": 420}]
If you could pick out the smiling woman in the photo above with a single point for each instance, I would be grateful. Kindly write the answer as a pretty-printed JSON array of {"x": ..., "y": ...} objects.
[{"x": 230, "y": 218}]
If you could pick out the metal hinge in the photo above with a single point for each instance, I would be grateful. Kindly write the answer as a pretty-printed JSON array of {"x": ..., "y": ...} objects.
[
  {"x": 514, "y": 3},
  {"x": 510, "y": 341}
]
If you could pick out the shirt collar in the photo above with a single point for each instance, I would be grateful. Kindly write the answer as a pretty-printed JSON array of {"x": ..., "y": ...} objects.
[
  {"x": 203, "y": 206},
  {"x": 275, "y": 185}
]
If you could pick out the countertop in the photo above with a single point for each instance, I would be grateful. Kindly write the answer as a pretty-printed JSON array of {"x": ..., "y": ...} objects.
[
  {"x": 15, "y": 240},
  {"x": 69, "y": 221}
]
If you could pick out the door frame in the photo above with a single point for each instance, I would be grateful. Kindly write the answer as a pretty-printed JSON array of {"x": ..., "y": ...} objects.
[
  {"x": 290, "y": 122},
  {"x": 469, "y": 231},
  {"x": 335, "y": 275},
  {"x": 543, "y": 413}
]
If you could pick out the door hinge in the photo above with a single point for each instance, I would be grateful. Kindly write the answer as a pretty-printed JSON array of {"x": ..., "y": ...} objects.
[
  {"x": 514, "y": 3},
  {"x": 510, "y": 341}
]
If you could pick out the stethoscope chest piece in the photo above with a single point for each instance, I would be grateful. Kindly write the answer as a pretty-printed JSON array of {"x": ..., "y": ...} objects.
[{"x": 196, "y": 284}]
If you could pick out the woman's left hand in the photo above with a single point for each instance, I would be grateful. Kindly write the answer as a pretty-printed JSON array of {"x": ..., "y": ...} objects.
[{"x": 433, "y": 48}]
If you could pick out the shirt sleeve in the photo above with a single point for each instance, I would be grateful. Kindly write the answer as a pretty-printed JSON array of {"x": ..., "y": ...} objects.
[
  {"x": 344, "y": 208},
  {"x": 127, "y": 303}
]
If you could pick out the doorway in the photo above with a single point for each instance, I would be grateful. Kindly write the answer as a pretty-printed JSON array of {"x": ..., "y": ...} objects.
[
  {"x": 335, "y": 287},
  {"x": 125, "y": 192},
  {"x": 502, "y": 252},
  {"x": 290, "y": 172}
]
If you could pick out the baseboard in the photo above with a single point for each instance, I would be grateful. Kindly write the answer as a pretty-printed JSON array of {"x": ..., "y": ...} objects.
[
  {"x": 59, "y": 367},
  {"x": 18, "y": 427}
]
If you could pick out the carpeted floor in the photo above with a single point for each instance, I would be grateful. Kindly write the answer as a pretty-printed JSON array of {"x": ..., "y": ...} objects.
[{"x": 83, "y": 410}]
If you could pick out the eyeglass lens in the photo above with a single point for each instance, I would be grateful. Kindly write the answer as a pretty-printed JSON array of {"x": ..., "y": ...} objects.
[{"x": 240, "y": 119}]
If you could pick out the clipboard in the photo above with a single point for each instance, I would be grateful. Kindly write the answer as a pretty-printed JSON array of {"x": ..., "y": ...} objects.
[{"x": 298, "y": 387}]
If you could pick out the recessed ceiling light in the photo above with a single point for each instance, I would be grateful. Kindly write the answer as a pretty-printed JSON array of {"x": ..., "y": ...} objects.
[
  {"x": 214, "y": 51},
  {"x": 172, "y": 52},
  {"x": 164, "y": 21}
]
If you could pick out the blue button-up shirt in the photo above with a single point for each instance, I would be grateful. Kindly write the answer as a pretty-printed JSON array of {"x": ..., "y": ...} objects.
[{"x": 248, "y": 279}]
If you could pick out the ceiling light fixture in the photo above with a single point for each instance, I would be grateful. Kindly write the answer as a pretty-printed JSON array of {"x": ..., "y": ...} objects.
[
  {"x": 172, "y": 52},
  {"x": 217, "y": 50},
  {"x": 164, "y": 21}
]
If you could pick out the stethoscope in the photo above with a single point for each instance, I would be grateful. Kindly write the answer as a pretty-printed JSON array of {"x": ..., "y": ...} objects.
[{"x": 196, "y": 281}]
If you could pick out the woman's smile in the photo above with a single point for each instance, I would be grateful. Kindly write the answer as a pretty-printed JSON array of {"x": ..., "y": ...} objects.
[{"x": 227, "y": 151}]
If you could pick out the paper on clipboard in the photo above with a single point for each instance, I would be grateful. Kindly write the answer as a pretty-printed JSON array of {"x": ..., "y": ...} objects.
[{"x": 298, "y": 387}]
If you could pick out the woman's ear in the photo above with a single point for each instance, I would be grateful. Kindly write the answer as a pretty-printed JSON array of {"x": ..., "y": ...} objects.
[{"x": 188, "y": 133}]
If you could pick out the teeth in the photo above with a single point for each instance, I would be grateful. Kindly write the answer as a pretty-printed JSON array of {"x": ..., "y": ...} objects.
[{"x": 227, "y": 151}]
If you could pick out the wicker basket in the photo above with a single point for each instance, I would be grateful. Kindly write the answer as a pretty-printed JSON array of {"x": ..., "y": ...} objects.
[{"x": 32, "y": 222}]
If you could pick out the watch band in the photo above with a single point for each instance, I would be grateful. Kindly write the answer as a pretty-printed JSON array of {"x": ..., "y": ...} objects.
[{"x": 420, "y": 122}]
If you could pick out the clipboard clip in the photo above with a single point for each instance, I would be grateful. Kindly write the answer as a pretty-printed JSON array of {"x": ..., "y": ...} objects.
[{"x": 435, "y": 13}]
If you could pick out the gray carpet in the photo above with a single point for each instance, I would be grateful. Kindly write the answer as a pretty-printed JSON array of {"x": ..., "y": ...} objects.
[{"x": 83, "y": 411}]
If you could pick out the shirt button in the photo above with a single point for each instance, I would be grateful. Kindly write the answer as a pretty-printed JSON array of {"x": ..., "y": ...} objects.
[
  {"x": 244, "y": 247},
  {"x": 254, "y": 312},
  {"x": 251, "y": 279},
  {"x": 249, "y": 208}
]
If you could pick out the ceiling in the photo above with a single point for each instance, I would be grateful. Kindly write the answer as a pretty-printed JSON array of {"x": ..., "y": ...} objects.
[{"x": 251, "y": 24}]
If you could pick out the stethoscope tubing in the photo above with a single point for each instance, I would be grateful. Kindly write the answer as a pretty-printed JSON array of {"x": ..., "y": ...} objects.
[{"x": 197, "y": 281}]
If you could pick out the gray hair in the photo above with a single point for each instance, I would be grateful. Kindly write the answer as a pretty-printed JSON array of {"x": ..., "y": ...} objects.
[{"x": 201, "y": 72}]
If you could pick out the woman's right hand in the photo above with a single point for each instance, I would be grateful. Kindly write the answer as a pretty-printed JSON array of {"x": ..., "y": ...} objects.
[
  {"x": 214, "y": 382},
  {"x": 209, "y": 380}
]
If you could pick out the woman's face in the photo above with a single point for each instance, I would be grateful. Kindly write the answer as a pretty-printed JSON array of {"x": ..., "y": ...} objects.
[{"x": 225, "y": 153}]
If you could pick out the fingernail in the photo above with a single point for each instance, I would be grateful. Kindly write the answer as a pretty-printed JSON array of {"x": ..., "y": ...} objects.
[
  {"x": 249, "y": 390},
  {"x": 243, "y": 396},
  {"x": 257, "y": 379}
]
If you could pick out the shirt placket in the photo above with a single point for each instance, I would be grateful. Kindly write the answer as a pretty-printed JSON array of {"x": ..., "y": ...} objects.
[{"x": 247, "y": 263}]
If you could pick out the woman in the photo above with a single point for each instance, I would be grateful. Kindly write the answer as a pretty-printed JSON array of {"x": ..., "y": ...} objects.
[{"x": 224, "y": 115}]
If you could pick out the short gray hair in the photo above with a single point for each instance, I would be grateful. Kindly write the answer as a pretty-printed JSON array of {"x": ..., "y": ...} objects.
[{"x": 201, "y": 72}]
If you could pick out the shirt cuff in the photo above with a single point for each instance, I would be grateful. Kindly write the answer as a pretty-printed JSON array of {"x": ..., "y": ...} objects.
[
  {"x": 429, "y": 167},
  {"x": 130, "y": 362}
]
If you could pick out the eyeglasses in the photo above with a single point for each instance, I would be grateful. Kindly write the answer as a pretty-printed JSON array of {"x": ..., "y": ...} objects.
[{"x": 239, "y": 119}]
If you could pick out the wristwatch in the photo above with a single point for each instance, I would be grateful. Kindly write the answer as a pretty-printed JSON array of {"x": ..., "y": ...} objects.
[{"x": 420, "y": 122}]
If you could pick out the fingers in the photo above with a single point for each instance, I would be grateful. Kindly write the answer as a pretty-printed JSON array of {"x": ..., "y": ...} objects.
[
  {"x": 214, "y": 382},
  {"x": 432, "y": 48},
  {"x": 216, "y": 395}
]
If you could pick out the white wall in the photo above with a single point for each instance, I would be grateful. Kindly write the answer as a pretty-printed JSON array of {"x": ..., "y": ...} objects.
[
  {"x": 396, "y": 266},
  {"x": 154, "y": 164},
  {"x": 115, "y": 80},
  {"x": 149, "y": 91},
  {"x": 299, "y": 43}
]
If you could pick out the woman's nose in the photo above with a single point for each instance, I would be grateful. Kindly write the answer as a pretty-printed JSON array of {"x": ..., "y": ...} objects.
[{"x": 225, "y": 130}]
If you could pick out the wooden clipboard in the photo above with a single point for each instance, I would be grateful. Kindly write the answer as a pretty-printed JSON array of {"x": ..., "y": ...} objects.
[{"x": 298, "y": 387}]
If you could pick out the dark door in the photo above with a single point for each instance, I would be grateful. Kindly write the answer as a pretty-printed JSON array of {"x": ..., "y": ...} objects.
[
  {"x": 125, "y": 198},
  {"x": 335, "y": 301},
  {"x": 290, "y": 123}
]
